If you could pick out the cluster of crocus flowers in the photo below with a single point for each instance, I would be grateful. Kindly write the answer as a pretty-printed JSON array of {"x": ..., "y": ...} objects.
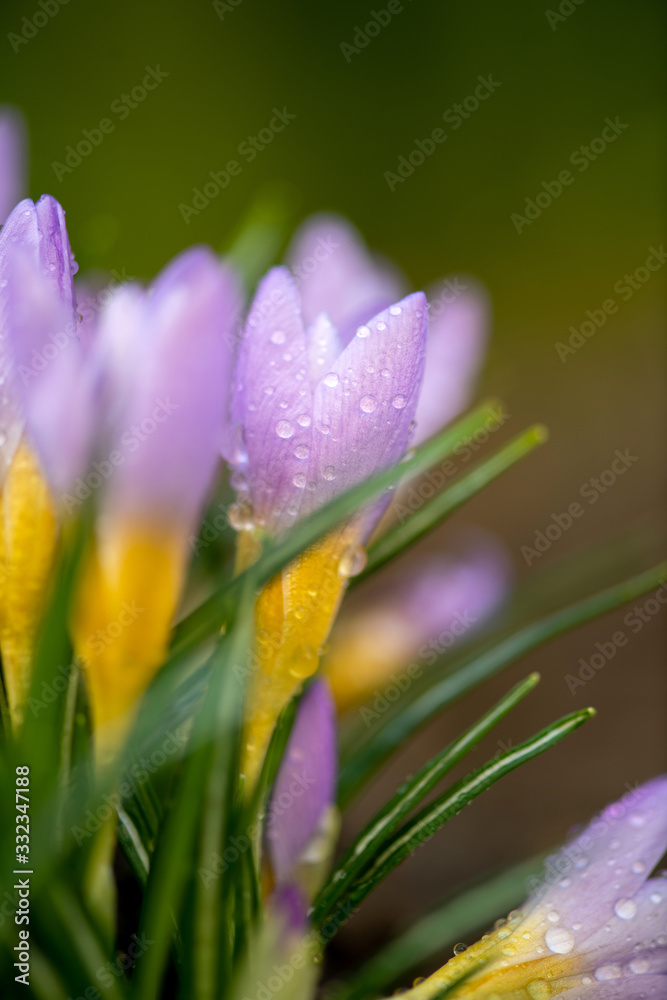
[
  {"x": 132, "y": 415},
  {"x": 595, "y": 928}
]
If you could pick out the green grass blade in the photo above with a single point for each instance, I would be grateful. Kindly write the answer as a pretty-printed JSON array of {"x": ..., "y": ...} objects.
[
  {"x": 448, "y": 500},
  {"x": 361, "y": 760},
  {"x": 473, "y": 908},
  {"x": 437, "y": 813},
  {"x": 379, "y": 830}
]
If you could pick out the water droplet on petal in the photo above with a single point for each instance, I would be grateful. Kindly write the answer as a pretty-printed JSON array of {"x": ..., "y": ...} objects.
[
  {"x": 363, "y": 331},
  {"x": 539, "y": 989},
  {"x": 329, "y": 473},
  {"x": 331, "y": 380},
  {"x": 553, "y": 917},
  {"x": 385, "y": 373},
  {"x": 637, "y": 867},
  {"x": 304, "y": 420},
  {"x": 278, "y": 337},
  {"x": 299, "y": 480},
  {"x": 241, "y": 516},
  {"x": 560, "y": 940},
  {"x": 399, "y": 402},
  {"x": 639, "y": 966},
  {"x": 301, "y": 451},
  {"x": 284, "y": 429},
  {"x": 352, "y": 561},
  {"x": 368, "y": 404},
  {"x": 637, "y": 820},
  {"x": 604, "y": 972},
  {"x": 625, "y": 909},
  {"x": 381, "y": 326},
  {"x": 460, "y": 948},
  {"x": 395, "y": 310},
  {"x": 656, "y": 897}
]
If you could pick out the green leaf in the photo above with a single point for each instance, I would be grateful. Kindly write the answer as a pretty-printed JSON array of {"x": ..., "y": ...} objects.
[
  {"x": 464, "y": 914},
  {"x": 396, "y": 540},
  {"x": 436, "y": 814},
  {"x": 362, "y": 758},
  {"x": 369, "y": 843}
]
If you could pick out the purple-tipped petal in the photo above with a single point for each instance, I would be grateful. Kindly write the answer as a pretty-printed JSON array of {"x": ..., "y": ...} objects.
[
  {"x": 289, "y": 905},
  {"x": 635, "y": 933},
  {"x": 306, "y": 782},
  {"x": 168, "y": 357},
  {"x": 457, "y": 338},
  {"x": 272, "y": 405},
  {"x": 13, "y": 166},
  {"x": 625, "y": 987},
  {"x": 336, "y": 274},
  {"x": 364, "y": 406}
]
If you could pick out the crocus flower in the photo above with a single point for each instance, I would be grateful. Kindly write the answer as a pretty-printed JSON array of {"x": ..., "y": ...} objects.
[
  {"x": 596, "y": 927},
  {"x": 37, "y": 320},
  {"x": 337, "y": 274},
  {"x": 312, "y": 418},
  {"x": 300, "y": 824},
  {"x": 166, "y": 366},
  {"x": 12, "y": 159},
  {"x": 417, "y": 615}
]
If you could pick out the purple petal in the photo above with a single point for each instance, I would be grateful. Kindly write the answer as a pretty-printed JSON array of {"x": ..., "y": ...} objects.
[
  {"x": 168, "y": 356},
  {"x": 457, "y": 337},
  {"x": 628, "y": 987},
  {"x": 364, "y": 406},
  {"x": 306, "y": 782},
  {"x": 272, "y": 405},
  {"x": 337, "y": 275},
  {"x": 632, "y": 934},
  {"x": 13, "y": 145},
  {"x": 290, "y": 906}
]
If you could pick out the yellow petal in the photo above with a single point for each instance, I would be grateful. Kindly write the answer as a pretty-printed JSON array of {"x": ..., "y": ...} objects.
[
  {"x": 27, "y": 542},
  {"x": 294, "y": 614},
  {"x": 126, "y": 600}
]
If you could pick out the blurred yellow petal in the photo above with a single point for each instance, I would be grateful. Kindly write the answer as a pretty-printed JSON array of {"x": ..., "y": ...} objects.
[
  {"x": 27, "y": 542},
  {"x": 127, "y": 597}
]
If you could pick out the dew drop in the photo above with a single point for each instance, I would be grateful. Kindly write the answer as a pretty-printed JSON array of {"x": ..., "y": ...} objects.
[
  {"x": 565, "y": 883},
  {"x": 539, "y": 989},
  {"x": 399, "y": 402},
  {"x": 553, "y": 917},
  {"x": 301, "y": 451},
  {"x": 284, "y": 429},
  {"x": 395, "y": 310},
  {"x": 656, "y": 897},
  {"x": 639, "y": 966},
  {"x": 637, "y": 867},
  {"x": 637, "y": 820},
  {"x": 352, "y": 561},
  {"x": 559, "y": 940},
  {"x": 460, "y": 948},
  {"x": 304, "y": 420},
  {"x": 385, "y": 373},
  {"x": 299, "y": 480},
  {"x": 363, "y": 331},
  {"x": 241, "y": 516},
  {"x": 329, "y": 473},
  {"x": 331, "y": 380},
  {"x": 278, "y": 337},
  {"x": 625, "y": 909},
  {"x": 368, "y": 404},
  {"x": 604, "y": 972},
  {"x": 381, "y": 326}
]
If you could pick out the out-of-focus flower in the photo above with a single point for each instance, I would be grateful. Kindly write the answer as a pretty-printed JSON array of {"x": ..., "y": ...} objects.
[
  {"x": 13, "y": 146},
  {"x": 596, "y": 928},
  {"x": 337, "y": 275},
  {"x": 37, "y": 323},
  {"x": 301, "y": 820},
  {"x": 166, "y": 370},
  {"x": 311, "y": 419},
  {"x": 414, "y": 617}
]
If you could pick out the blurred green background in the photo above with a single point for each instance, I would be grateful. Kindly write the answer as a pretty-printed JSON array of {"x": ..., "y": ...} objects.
[{"x": 227, "y": 70}]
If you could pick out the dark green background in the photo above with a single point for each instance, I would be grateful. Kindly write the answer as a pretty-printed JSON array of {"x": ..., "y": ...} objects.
[{"x": 353, "y": 121}]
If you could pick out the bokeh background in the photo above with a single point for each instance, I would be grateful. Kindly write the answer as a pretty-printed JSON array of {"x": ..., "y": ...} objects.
[{"x": 229, "y": 65}]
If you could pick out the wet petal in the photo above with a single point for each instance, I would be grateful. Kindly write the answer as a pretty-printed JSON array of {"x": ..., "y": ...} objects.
[
  {"x": 457, "y": 338},
  {"x": 336, "y": 274},
  {"x": 306, "y": 782},
  {"x": 13, "y": 167},
  {"x": 364, "y": 407},
  {"x": 272, "y": 405}
]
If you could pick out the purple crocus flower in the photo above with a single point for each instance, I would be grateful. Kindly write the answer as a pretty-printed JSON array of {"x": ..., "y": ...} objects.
[
  {"x": 337, "y": 275},
  {"x": 594, "y": 929},
  {"x": 13, "y": 146},
  {"x": 305, "y": 786},
  {"x": 312, "y": 417},
  {"x": 415, "y": 616}
]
